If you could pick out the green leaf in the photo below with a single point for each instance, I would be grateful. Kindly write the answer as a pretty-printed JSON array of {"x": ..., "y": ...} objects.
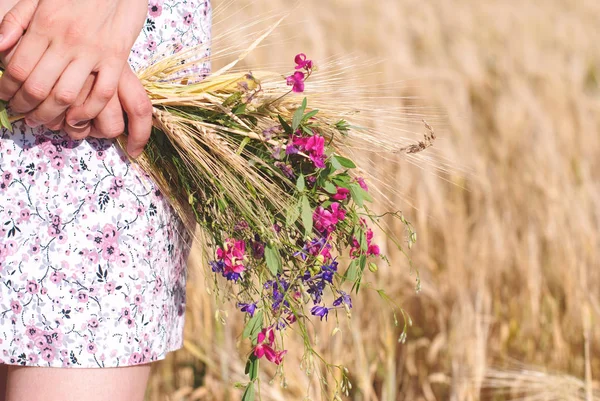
[
  {"x": 335, "y": 163},
  {"x": 249, "y": 393},
  {"x": 298, "y": 115},
  {"x": 362, "y": 240},
  {"x": 252, "y": 367},
  {"x": 300, "y": 184},
  {"x": 273, "y": 259},
  {"x": 239, "y": 109},
  {"x": 286, "y": 127},
  {"x": 345, "y": 162},
  {"x": 309, "y": 115},
  {"x": 330, "y": 188},
  {"x": 253, "y": 326},
  {"x": 234, "y": 98},
  {"x": 352, "y": 271},
  {"x": 4, "y": 121},
  {"x": 307, "y": 215},
  {"x": 359, "y": 195},
  {"x": 292, "y": 215},
  {"x": 245, "y": 142}
]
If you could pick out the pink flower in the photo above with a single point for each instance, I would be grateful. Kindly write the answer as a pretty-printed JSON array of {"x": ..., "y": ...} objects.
[
  {"x": 135, "y": 358},
  {"x": 16, "y": 307},
  {"x": 233, "y": 255},
  {"x": 82, "y": 297},
  {"x": 32, "y": 287},
  {"x": 372, "y": 249},
  {"x": 188, "y": 19},
  {"x": 315, "y": 145},
  {"x": 361, "y": 182},
  {"x": 48, "y": 353},
  {"x": 91, "y": 348},
  {"x": 326, "y": 220},
  {"x": 342, "y": 194},
  {"x": 265, "y": 340},
  {"x": 154, "y": 9},
  {"x": 296, "y": 81},
  {"x": 302, "y": 62}
]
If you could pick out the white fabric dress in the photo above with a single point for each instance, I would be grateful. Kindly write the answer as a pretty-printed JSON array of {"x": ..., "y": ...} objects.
[{"x": 92, "y": 257}]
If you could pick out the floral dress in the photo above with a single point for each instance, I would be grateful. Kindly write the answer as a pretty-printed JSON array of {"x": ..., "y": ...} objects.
[{"x": 92, "y": 257}]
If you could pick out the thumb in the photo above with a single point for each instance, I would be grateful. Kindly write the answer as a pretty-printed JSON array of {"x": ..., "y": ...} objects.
[{"x": 15, "y": 22}]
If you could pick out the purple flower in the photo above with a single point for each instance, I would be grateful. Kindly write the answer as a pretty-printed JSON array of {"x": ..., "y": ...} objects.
[
  {"x": 320, "y": 311},
  {"x": 302, "y": 62},
  {"x": 296, "y": 81},
  {"x": 343, "y": 299},
  {"x": 248, "y": 308},
  {"x": 258, "y": 249}
]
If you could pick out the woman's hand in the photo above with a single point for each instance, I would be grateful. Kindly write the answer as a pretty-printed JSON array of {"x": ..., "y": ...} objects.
[
  {"x": 66, "y": 41},
  {"x": 130, "y": 97}
]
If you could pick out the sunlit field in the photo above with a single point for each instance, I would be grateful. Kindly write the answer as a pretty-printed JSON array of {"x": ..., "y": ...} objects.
[{"x": 506, "y": 204}]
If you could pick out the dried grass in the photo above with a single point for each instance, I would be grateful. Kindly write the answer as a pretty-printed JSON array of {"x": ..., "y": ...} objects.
[{"x": 507, "y": 205}]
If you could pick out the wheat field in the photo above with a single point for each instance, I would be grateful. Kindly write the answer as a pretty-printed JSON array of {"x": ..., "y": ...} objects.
[{"x": 506, "y": 205}]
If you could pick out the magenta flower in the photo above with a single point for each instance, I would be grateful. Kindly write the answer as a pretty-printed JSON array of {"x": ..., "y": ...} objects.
[
  {"x": 265, "y": 341},
  {"x": 361, "y": 182},
  {"x": 372, "y": 249},
  {"x": 326, "y": 220},
  {"x": 233, "y": 255},
  {"x": 296, "y": 81},
  {"x": 302, "y": 62},
  {"x": 315, "y": 146},
  {"x": 342, "y": 194}
]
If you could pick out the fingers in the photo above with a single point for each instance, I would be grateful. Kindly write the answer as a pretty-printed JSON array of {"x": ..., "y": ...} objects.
[
  {"x": 63, "y": 95},
  {"x": 137, "y": 105},
  {"x": 104, "y": 90},
  {"x": 15, "y": 22},
  {"x": 110, "y": 122},
  {"x": 26, "y": 57},
  {"x": 81, "y": 132},
  {"x": 39, "y": 84}
]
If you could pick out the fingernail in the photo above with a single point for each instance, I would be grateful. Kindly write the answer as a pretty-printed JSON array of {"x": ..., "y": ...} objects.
[
  {"x": 31, "y": 123},
  {"x": 79, "y": 124}
]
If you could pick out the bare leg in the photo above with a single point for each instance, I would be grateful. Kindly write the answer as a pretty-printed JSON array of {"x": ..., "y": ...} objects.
[
  {"x": 3, "y": 373},
  {"x": 74, "y": 384}
]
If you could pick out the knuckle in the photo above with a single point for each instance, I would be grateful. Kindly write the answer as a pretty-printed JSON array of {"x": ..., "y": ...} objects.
[
  {"x": 114, "y": 130},
  {"x": 12, "y": 18},
  {"x": 73, "y": 34},
  {"x": 106, "y": 93},
  {"x": 36, "y": 90},
  {"x": 17, "y": 72},
  {"x": 143, "y": 108},
  {"x": 65, "y": 97}
]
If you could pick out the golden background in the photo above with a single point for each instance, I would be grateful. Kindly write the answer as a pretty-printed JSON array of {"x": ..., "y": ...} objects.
[{"x": 506, "y": 204}]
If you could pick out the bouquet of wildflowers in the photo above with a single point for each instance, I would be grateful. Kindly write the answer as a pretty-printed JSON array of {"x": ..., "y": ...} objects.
[{"x": 284, "y": 212}]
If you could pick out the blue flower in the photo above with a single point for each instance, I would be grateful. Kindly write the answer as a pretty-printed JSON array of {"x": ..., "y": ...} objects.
[
  {"x": 343, "y": 299},
  {"x": 248, "y": 308},
  {"x": 320, "y": 311}
]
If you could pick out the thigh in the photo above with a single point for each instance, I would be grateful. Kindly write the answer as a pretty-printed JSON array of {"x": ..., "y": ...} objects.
[
  {"x": 64, "y": 384},
  {"x": 3, "y": 373}
]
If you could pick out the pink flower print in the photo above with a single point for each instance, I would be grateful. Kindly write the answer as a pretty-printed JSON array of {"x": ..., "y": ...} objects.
[
  {"x": 125, "y": 312},
  {"x": 91, "y": 348},
  {"x": 32, "y": 359},
  {"x": 110, "y": 234},
  {"x": 33, "y": 332},
  {"x": 25, "y": 215},
  {"x": 7, "y": 177},
  {"x": 110, "y": 252},
  {"x": 154, "y": 9},
  {"x": 9, "y": 248},
  {"x": 138, "y": 299},
  {"x": 188, "y": 19},
  {"x": 135, "y": 358},
  {"x": 48, "y": 353},
  {"x": 16, "y": 307},
  {"x": 93, "y": 323},
  {"x": 130, "y": 323},
  {"x": 58, "y": 162},
  {"x": 140, "y": 210},
  {"x": 35, "y": 248},
  {"x": 109, "y": 287},
  {"x": 42, "y": 167},
  {"x": 49, "y": 149},
  {"x": 32, "y": 287},
  {"x": 82, "y": 297},
  {"x": 93, "y": 257},
  {"x": 40, "y": 341},
  {"x": 151, "y": 43},
  {"x": 100, "y": 155}
]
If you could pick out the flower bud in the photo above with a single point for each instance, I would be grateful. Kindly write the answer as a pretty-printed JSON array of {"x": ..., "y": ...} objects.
[
  {"x": 373, "y": 267},
  {"x": 320, "y": 259}
]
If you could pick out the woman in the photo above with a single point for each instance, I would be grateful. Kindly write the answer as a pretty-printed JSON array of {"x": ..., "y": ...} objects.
[{"x": 92, "y": 258}]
